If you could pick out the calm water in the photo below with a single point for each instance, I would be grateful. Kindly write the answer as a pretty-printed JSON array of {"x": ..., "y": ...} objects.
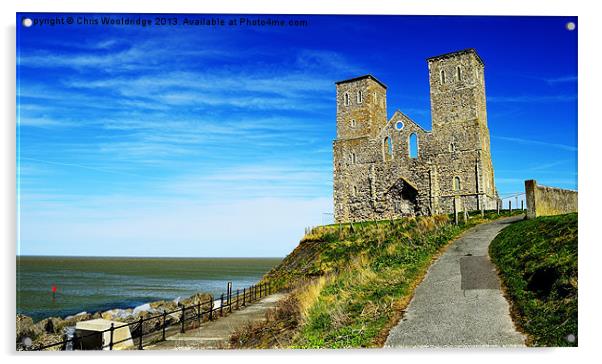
[{"x": 93, "y": 284}]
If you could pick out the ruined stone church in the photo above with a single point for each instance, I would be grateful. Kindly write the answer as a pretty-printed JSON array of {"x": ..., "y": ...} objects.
[{"x": 392, "y": 167}]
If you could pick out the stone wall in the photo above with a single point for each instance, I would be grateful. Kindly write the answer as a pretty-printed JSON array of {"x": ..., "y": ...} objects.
[{"x": 546, "y": 201}]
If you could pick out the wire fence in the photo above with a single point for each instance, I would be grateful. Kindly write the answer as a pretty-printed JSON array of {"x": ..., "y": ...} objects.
[{"x": 153, "y": 329}]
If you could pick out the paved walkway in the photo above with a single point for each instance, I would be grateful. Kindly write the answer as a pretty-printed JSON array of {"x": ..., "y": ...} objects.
[
  {"x": 216, "y": 334},
  {"x": 459, "y": 303}
]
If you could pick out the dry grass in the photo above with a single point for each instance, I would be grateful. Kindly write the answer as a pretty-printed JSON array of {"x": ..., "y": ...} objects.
[{"x": 307, "y": 294}]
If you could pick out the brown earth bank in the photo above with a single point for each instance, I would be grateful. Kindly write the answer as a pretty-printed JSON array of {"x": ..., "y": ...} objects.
[{"x": 54, "y": 329}]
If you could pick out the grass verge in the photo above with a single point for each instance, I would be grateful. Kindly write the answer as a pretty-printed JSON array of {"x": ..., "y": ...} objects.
[
  {"x": 349, "y": 283},
  {"x": 537, "y": 262}
]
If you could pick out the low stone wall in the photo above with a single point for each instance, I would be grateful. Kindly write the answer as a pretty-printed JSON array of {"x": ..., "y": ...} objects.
[{"x": 546, "y": 201}]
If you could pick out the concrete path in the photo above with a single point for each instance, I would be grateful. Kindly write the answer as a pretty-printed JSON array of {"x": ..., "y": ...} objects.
[
  {"x": 216, "y": 334},
  {"x": 459, "y": 303}
]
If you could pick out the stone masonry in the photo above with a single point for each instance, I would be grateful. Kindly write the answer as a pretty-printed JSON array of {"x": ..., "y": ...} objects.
[
  {"x": 388, "y": 168},
  {"x": 547, "y": 201}
]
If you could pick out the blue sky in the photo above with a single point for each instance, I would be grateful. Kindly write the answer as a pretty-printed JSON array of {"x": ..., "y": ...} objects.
[{"x": 205, "y": 141}]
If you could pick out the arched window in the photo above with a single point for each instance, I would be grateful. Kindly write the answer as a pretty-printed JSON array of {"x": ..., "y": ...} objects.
[
  {"x": 346, "y": 99},
  {"x": 413, "y": 145},
  {"x": 352, "y": 158},
  {"x": 457, "y": 185},
  {"x": 452, "y": 145},
  {"x": 459, "y": 73},
  {"x": 354, "y": 190},
  {"x": 353, "y": 123},
  {"x": 442, "y": 76},
  {"x": 387, "y": 149},
  {"x": 360, "y": 97}
]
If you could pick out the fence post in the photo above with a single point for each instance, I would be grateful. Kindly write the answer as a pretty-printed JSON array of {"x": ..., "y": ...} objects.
[
  {"x": 455, "y": 211},
  {"x": 522, "y": 204},
  {"x": 111, "y": 336},
  {"x": 510, "y": 205},
  {"x": 221, "y": 305},
  {"x": 183, "y": 319},
  {"x": 164, "y": 325},
  {"x": 211, "y": 309},
  {"x": 200, "y": 316},
  {"x": 141, "y": 332},
  {"x": 497, "y": 206},
  {"x": 244, "y": 296},
  {"x": 229, "y": 293},
  {"x": 237, "y": 297}
]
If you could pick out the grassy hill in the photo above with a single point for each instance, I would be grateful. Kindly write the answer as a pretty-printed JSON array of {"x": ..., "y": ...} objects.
[
  {"x": 350, "y": 283},
  {"x": 537, "y": 260}
]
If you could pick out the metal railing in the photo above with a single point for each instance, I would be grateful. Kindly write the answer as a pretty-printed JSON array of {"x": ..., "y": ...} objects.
[{"x": 190, "y": 317}]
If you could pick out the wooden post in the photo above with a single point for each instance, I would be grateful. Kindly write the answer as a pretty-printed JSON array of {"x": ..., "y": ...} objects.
[
  {"x": 221, "y": 306},
  {"x": 111, "y": 336},
  {"x": 497, "y": 205},
  {"x": 455, "y": 211},
  {"x": 244, "y": 296},
  {"x": 510, "y": 205},
  {"x": 211, "y": 308},
  {"x": 229, "y": 292},
  {"x": 183, "y": 319},
  {"x": 237, "y": 296},
  {"x": 164, "y": 325},
  {"x": 199, "y": 313},
  {"x": 141, "y": 332},
  {"x": 522, "y": 204}
]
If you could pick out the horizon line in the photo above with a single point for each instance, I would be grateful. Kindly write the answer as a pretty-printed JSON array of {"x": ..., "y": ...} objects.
[{"x": 141, "y": 256}]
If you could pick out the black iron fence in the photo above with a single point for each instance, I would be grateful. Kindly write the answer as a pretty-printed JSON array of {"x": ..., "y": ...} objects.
[{"x": 153, "y": 329}]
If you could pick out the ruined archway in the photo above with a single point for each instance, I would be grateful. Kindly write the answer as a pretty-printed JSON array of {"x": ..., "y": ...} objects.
[{"x": 403, "y": 198}]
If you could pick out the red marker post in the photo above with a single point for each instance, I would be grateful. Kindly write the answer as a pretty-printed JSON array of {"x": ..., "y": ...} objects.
[{"x": 53, "y": 292}]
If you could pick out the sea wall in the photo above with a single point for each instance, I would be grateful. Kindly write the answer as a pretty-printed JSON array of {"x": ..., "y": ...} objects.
[{"x": 546, "y": 201}]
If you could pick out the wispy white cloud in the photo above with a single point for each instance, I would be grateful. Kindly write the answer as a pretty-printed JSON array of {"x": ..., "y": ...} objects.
[
  {"x": 561, "y": 79},
  {"x": 532, "y": 98},
  {"x": 570, "y": 148}
]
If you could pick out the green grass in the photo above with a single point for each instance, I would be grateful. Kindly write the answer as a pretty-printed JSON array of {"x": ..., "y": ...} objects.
[
  {"x": 537, "y": 260},
  {"x": 373, "y": 269}
]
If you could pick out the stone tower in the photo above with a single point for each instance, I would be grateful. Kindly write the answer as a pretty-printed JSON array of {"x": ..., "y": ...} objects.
[
  {"x": 361, "y": 115},
  {"x": 460, "y": 136},
  {"x": 361, "y": 107},
  {"x": 392, "y": 167}
]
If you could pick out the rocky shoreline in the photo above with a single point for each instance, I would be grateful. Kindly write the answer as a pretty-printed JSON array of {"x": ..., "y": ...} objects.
[{"x": 55, "y": 329}]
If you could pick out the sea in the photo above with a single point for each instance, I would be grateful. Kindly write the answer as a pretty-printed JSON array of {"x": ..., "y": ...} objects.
[{"x": 92, "y": 284}]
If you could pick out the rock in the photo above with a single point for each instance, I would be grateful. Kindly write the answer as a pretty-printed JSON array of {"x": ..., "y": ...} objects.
[
  {"x": 161, "y": 306},
  {"x": 203, "y": 298},
  {"x": 51, "y": 325},
  {"x": 117, "y": 314},
  {"x": 71, "y": 321},
  {"x": 26, "y": 328},
  {"x": 144, "y": 308},
  {"x": 49, "y": 339}
]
